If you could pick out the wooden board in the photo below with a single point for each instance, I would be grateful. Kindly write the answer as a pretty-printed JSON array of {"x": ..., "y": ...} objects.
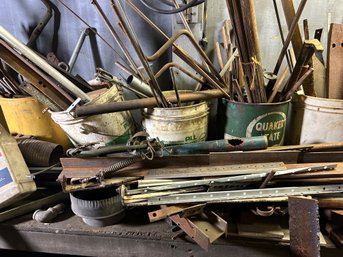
[{"x": 334, "y": 61}]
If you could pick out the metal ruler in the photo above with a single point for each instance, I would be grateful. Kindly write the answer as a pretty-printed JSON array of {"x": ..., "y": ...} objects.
[
  {"x": 227, "y": 196},
  {"x": 241, "y": 178},
  {"x": 223, "y": 170}
]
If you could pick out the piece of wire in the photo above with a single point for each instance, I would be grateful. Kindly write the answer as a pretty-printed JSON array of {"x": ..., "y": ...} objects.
[{"x": 177, "y": 10}]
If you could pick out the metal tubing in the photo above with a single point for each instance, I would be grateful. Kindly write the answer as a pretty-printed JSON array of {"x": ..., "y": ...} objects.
[
  {"x": 47, "y": 216},
  {"x": 139, "y": 85},
  {"x": 144, "y": 103},
  {"x": 41, "y": 63},
  {"x": 39, "y": 153},
  {"x": 224, "y": 145},
  {"x": 77, "y": 49}
]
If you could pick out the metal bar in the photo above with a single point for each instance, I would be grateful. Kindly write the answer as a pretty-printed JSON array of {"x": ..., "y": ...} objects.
[
  {"x": 42, "y": 23},
  {"x": 145, "y": 103},
  {"x": 289, "y": 11},
  {"x": 290, "y": 34},
  {"x": 189, "y": 35},
  {"x": 278, "y": 84},
  {"x": 307, "y": 51},
  {"x": 228, "y": 196},
  {"x": 179, "y": 67},
  {"x": 41, "y": 63},
  {"x": 31, "y": 90},
  {"x": 171, "y": 210},
  {"x": 96, "y": 33},
  {"x": 77, "y": 49},
  {"x": 42, "y": 82},
  {"x": 117, "y": 38},
  {"x": 297, "y": 84},
  {"x": 178, "y": 50},
  {"x": 143, "y": 58},
  {"x": 241, "y": 178},
  {"x": 32, "y": 206},
  {"x": 281, "y": 34},
  {"x": 304, "y": 227}
]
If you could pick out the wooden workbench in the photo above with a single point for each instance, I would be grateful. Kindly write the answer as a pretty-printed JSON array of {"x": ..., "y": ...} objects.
[{"x": 69, "y": 235}]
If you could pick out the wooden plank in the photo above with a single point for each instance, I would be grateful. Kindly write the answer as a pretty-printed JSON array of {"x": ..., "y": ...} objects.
[{"x": 334, "y": 61}]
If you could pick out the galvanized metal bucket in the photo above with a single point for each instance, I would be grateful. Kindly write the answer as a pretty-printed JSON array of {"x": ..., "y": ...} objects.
[
  {"x": 256, "y": 119},
  {"x": 103, "y": 129},
  {"x": 315, "y": 120}
]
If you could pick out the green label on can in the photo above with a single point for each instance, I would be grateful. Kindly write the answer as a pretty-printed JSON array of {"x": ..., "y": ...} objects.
[{"x": 270, "y": 124}]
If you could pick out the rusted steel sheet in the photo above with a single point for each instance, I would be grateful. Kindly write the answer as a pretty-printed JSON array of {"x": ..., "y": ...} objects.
[{"x": 304, "y": 227}]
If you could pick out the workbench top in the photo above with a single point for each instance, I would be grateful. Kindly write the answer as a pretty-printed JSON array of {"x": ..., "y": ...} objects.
[{"x": 132, "y": 237}]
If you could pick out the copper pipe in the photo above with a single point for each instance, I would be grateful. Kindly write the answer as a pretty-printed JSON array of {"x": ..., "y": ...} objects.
[{"x": 179, "y": 67}]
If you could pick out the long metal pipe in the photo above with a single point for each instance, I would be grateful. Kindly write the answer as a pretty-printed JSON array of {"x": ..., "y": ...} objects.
[
  {"x": 139, "y": 85},
  {"x": 117, "y": 37},
  {"x": 87, "y": 110},
  {"x": 41, "y": 63}
]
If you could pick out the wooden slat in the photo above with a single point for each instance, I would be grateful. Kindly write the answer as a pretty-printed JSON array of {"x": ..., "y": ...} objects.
[{"x": 334, "y": 61}]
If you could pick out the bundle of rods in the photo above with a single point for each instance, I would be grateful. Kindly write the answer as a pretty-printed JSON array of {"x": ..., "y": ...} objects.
[{"x": 243, "y": 19}]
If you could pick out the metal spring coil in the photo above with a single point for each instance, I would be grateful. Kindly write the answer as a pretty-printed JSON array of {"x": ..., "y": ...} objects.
[{"x": 119, "y": 165}]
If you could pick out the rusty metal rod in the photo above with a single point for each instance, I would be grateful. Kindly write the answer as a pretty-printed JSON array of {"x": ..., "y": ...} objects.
[
  {"x": 290, "y": 34},
  {"x": 289, "y": 12},
  {"x": 276, "y": 9},
  {"x": 179, "y": 51},
  {"x": 144, "y": 60},
  {"x": 87, "y": 110},
  {"x": 179, "y": 67},
  {"x": 42, "y": 23},
  {"x": 297, "y": 84},
  {"x": 189, "y": 35},
  {"x": 117, "y": 37}
]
